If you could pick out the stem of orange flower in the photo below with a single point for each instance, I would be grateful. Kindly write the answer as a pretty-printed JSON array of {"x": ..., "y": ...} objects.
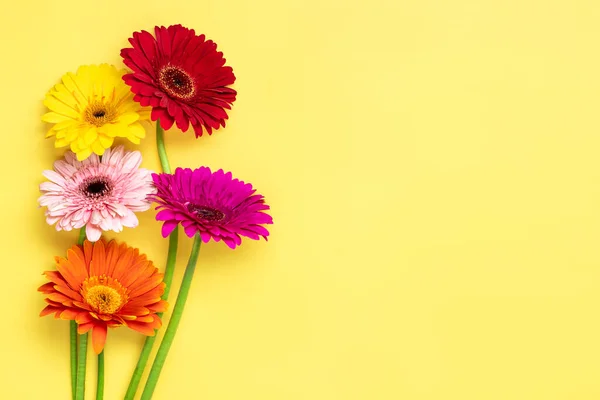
[
  {"x": 165, "y": 345},
  {"x": 81, "y": 359},
  {"x": 168, "y": 278},
  {"x": 100, "y": 386},
  {"x": 73, "y": 335}
]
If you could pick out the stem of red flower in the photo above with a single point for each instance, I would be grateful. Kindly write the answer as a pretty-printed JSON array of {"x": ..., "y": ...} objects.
[
  {"x": 160, "y": 147},
  {"x": 81, "y": 358},
  {"x": 73, "y": 335},
  {"x": 100, "y": 385},
  {"x": 145, "y": 354},
  {"x": 165, "y": 345},
  {"x": 168, "y": 278}
]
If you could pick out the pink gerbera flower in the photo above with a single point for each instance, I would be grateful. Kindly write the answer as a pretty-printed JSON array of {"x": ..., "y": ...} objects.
[
  {"x": 182, "y": 76},
  {"x": 101, "y": 195},
  {"x": 211, "y": 204}
]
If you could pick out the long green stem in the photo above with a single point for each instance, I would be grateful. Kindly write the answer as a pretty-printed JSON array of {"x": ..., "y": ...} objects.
[
  {"x": 168, "y": 278},
  {"x": 100, "y": 385},
  {"x": 167, "y": 341},
  {"x": 149, "y": 342},
  {"x": 81, "y": 358},
  {"x": 73, "y": 335},
  {"x": 73, "y": 341}
]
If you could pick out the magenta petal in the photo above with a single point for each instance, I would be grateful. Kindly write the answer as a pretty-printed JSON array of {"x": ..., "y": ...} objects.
[
  {"x": 168, "y": 227},
  {"x": 165, "y": 215},
  {"x": 190, "y": 230}
]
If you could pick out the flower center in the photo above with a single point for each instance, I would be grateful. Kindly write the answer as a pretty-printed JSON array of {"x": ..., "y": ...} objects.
[
  {"x": 206, "y": 213},
  {"x": 103, "y": 294},
  {"x": 96, "y": 187},
  {"x": 176, "y": 82},
  {"x": 98, "y": 113}
]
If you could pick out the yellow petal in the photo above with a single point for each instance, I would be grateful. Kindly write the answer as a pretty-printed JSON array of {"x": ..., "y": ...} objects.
[
  {"x": 134, "y": 139},
  {"x": 137, "y": 130},
  {"x": 128, "y": 118},
  {"x": 60, "y": 143},
  {"x": 105, "y": 141},
  {"x": 50, "y": 133},
  {"x": 98, "y": 148},
  {"x": 59, "y": 107},
  {"x": 54, "y": 118},
  {"x": 83, "y": 154},
  {"x": 90, "y": 136}
]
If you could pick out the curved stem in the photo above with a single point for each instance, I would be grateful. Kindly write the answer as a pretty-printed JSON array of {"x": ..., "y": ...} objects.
[
  {"x": 73, "y": 334},
  {"x": 168, "y": 278},
  {"x": 100, "y": 385},
  {"x": 81, "y": 358},
  {"x": 149, "y": 342},
  {"x": 165, "y": 345}
]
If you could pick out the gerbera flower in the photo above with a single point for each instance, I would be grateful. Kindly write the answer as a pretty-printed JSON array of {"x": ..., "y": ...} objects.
[
  {"x": 102, "y": 195},
  {"x": 182, "y": 76},
  {"x": 212, "y": 204},
  {"x": 101, "y": 285},
  {"x": 90, "y": 108}
]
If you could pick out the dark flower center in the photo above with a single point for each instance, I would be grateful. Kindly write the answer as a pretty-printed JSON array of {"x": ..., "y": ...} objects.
[
  {"x": 96, "y": 187},
  {"x": 176, "y": 82},
  {"x": 98, "y": 113},
  {"x": 206, "y": 213}
]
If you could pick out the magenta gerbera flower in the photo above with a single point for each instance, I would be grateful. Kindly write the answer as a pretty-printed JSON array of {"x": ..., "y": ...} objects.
[
  {"x": 182, "y": 76},
  {"x": 101, "y": 195},
  {"x": 212, "y": 204}
]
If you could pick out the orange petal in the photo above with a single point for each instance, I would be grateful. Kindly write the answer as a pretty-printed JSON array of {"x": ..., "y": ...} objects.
[
  {"x": 69, "y": 313},
  {"x": 49, "y": 310},
  {"x": 73, "y": 276},
  {"x": 84, "y": 318},
  {"x": 99, "y": 338},
  {"x": 55, "y": 276},
  {"x": 112, "y": 255},
  {"x": 161, "y": 306},
  {"x": 47, "y": 288},
  {"x": 123, "y": 266},
  {"x": 149, "y": 284},
  {"x": 58, "y": 297},
  {"x": 141, "y": 327},
  {"x": 68, "y": 292},
  {"x": 84, "y": 328},
  {"x": 128, "y": 310},
  {"x": 145, "y": 318},
  {"x": 87, "y": 251},
  {"x": 98, "y": 263}
]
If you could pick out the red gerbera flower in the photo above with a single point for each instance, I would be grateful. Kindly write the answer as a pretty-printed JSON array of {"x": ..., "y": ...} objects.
[{"x": 181, "y": 76}]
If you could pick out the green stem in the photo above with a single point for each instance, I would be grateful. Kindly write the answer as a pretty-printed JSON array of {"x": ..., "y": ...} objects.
[
  {"x": 100, "y": 385},
  {"x": 73, "y": 335},
  {"x": 81, "y": 357},
  {"x": 149, "y": 342},
  {"x": 73, "y": 340},
  {"x": 168, "y": 278},
  {"x": 160, "y": 147},
  {"x": 165, "y": 345}
]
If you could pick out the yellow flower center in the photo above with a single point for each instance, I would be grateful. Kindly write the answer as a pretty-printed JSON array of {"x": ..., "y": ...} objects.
[
  {"x": 104, "y": 294},
  {"x": 98, "y": 113}
]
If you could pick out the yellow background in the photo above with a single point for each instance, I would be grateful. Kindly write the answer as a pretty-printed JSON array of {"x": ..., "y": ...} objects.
[{"x": 434, "y": 178}]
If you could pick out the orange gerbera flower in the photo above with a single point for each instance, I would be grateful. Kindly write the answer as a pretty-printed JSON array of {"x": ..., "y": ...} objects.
[{"x": 101, "y": 285}]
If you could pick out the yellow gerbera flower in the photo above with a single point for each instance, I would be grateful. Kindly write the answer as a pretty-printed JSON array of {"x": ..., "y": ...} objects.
[{"x": 92, "y": 107}]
